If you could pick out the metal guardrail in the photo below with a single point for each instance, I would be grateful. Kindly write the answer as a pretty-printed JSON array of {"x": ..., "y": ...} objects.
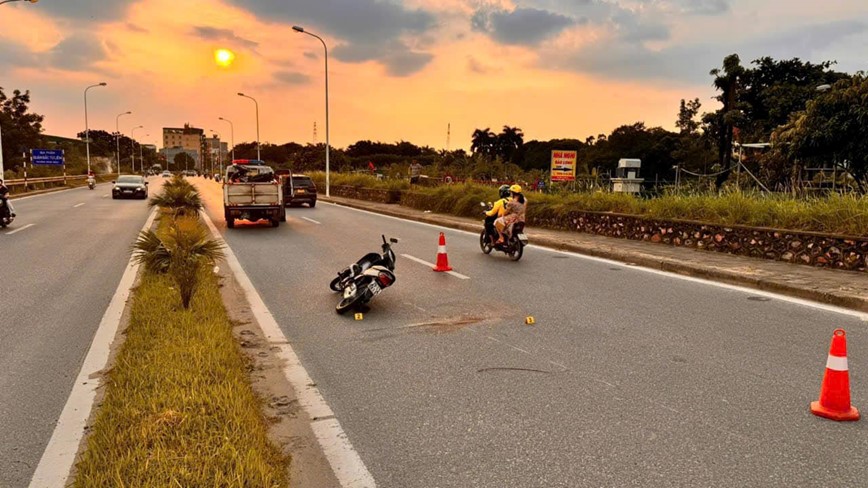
[{"x": 51, "y": 179}]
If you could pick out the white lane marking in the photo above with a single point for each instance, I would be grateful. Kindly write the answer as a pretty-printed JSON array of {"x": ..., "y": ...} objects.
[
  {"x": 20, "y": 229},
  {"x": 18, "y": 199},
  {"x": 753, "y": 291},
  {"x": 431, "y": 265},
  {"x": 105, "y": 196},
  {"x": 59, "y": 455},
  {"x": 311, "y": 220},
  {"x": 76, "y": 206},
  {"x": 346, "y": 463}
]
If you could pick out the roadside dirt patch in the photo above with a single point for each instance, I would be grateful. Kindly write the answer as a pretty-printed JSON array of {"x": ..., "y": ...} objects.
[{"x": 289, "y": 424}]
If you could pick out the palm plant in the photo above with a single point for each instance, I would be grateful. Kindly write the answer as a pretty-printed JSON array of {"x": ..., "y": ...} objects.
[
  {"x": 178, "y": 197},
  {"x": 183, "y": 252}
]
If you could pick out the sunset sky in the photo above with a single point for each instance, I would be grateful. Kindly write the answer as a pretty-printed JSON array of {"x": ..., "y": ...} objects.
[{"x": 401, "y": 69}]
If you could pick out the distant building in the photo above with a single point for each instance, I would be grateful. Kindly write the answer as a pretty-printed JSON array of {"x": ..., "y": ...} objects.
[{"x": 188, "y": 139}]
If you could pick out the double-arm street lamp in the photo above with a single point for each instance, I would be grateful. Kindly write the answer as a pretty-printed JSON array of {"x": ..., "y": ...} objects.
[
  {"x": 302, "y": 31},
  {"x": 133, "y": 148},
  {"x": 118, "y": 139},
  {"x": 231, "y": 136},
  {"x": 86, "y": 126},
  {"x": 258, "y": 154}
]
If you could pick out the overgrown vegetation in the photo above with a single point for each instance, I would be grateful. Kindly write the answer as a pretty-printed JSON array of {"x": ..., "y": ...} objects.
[
  {"x": 835, "y": 214},
  {"x": 179, "y": 410}
]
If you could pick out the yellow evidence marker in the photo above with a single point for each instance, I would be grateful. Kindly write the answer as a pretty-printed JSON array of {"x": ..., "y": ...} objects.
[
  {"x": 529, "y": 321},
  {"x": 360, "y": 316}
]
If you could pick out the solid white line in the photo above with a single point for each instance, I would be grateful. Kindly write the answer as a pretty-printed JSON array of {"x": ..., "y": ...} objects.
[
  {"x": 20, "y": 229},
  {"x": 753, "y": 291},
  {"x": 346, "y": 463},
  {"x": 311, "y": 220},
  {"x": 59, "y": 455},
  {"x": 76, "y": 206},
  {"x": 431, "y": 265}
]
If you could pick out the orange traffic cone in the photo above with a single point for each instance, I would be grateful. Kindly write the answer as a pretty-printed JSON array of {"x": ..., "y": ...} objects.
[
  {"x": 834, "y": 400},
  {"x": 442, "y": 258}
]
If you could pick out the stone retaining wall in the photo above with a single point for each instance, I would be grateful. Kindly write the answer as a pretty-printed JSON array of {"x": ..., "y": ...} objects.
[
  {"x": 808, "y": 248},
  {"x": 839, "y": 252}
]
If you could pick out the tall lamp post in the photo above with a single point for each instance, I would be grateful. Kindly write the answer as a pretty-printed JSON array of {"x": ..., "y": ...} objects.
[
  {"x": 133, "y": 148},
  {"x": 302, "y": 31},
  {"x": 86, "y": 126},
  {"x": 142, "y": 156},
  {"x": 231, "y": 137},
  {"x": 216, "y": 136},
  {"x": 118, "y": 139},
  {"x": 258, "y": 154}
]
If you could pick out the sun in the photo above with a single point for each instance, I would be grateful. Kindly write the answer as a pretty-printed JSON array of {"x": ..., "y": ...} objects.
[{"x": 224, "y": 57}]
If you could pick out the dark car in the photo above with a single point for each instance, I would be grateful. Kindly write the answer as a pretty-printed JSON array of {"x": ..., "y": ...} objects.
[
  {"x": 300, "y": 189},
  {"x": 130, "y": 186}
]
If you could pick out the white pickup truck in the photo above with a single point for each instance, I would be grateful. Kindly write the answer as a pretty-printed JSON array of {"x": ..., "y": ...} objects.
[{"x": 252, "y": 192}]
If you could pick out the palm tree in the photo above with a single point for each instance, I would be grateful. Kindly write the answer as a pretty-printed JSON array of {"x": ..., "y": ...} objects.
[
  {"x": 182, "y": 252},
  {"x": 509, "y": 140},
  {"x": 728, "y": 81},
  {"x": 483, "y": 142},
  {"x": 179, "y": 197}
]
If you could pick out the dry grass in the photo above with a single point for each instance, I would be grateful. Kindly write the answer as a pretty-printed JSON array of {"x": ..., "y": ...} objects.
[{"x": 179, "y": 409}]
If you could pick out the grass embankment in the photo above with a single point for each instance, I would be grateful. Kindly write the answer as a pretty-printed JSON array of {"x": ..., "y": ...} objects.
[
  {"x": 179, "y": 409},
  {"x": 835, "y": 214}
]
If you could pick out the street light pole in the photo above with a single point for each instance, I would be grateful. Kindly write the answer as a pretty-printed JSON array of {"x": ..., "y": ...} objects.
[
  {"x": 219, "y": 151},
  {"x": 118, "y": 139},
  {"x": 231, "y": 136},
  {"x": 258, "y": 154},
  {"x": 142, "y": 157},
  {"x": 133, "y": 148},
  {"x": 302, "y": 31},
  {"x": 86, "y": 126}
]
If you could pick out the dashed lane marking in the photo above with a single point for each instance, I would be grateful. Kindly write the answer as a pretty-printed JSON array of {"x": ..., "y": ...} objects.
[
  {"x": 431, "y": 265},
  {"x": 20, "y": 229},
  {"x": 79, "y": 205},
  {"x": 311, "y": 220}
]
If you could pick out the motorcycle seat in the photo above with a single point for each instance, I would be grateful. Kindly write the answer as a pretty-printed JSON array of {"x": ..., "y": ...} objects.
[{"x": 368, "y": 260}]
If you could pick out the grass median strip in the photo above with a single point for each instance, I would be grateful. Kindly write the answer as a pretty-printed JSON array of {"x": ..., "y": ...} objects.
[{"x": 179, "y": 409}]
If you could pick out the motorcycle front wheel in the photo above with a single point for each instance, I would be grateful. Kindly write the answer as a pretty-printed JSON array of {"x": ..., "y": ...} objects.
[
  {"x": 485, "y": 243},
  {"x": 348, "y": 303}
]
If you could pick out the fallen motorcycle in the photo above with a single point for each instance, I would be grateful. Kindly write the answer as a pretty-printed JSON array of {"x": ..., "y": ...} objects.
[
  {"x": 512, "y": 247},
  {"x": 360, "y": 282}
]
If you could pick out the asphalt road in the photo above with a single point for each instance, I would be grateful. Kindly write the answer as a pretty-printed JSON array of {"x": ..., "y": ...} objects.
[
  {"x": 628, "y": 378},
  {"x": 57, "y": 277}
]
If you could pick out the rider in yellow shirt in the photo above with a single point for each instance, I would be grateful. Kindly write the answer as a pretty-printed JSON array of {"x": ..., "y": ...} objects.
[{"x": 497, "y": 211}]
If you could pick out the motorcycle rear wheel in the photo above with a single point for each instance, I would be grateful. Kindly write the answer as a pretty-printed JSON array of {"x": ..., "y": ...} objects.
[
  {"x": 518, "y": 251},
  {"x": 334, "y": 284}
]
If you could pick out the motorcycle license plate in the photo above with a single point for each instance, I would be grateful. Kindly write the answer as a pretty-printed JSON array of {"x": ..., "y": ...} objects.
[
  {"x": 375, "y": 288},
  {"x": 522, "y": 238}
]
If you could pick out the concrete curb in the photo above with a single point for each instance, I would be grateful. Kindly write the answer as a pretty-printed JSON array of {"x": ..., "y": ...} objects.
[{"x": 647, "y": 261}]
